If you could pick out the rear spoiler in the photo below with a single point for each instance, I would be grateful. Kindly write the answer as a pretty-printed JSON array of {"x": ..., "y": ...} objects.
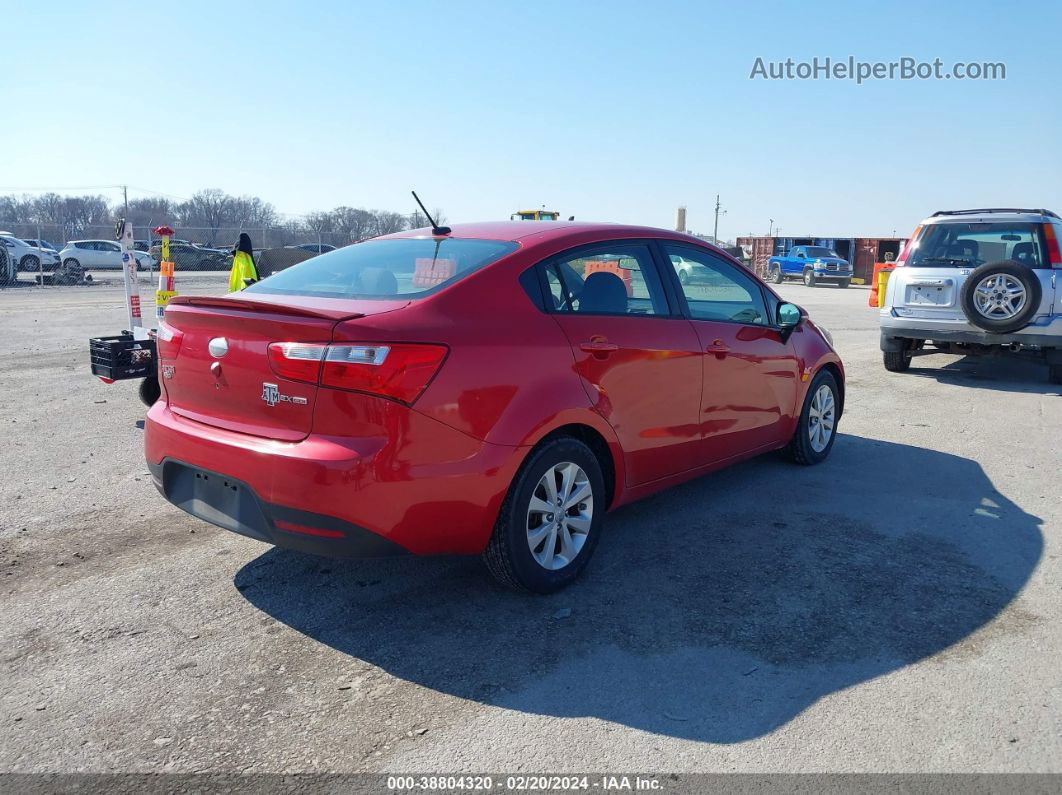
[{"x": 254, "y": 305}]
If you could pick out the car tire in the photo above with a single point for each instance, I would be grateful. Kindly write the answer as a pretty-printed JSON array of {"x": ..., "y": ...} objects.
[
  {"x": 150, "y": 391},
  {"x": 809, "y": 277},
  {"x": 525, "y": 542},
  {"x": 29, "y": 263},
  {"x": 979, "y": 296},
  {"x": 684, "y": 278},
  {"x": 777, "y": 277},
  {"x": 70, "y": 272},
  {"x": 896, "y": 361},
  {"x": 844, "y": 283},
  {"x": 817, "y": 426}
]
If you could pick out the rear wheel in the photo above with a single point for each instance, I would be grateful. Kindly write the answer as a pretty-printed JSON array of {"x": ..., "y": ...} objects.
[
  {"x": 809, "y": 277},
  {"x": 900, "y": 361},
  {"x": 817, "y": 427},
  {"x": 550, "y": 521}
]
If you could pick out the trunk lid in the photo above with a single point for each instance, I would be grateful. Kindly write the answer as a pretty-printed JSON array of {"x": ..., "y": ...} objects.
[
  {"x": 929, "y": 292},
  {"x": 221, "y": 374}
]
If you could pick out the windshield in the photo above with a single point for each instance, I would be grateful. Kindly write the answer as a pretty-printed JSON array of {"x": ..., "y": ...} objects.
[
  {"x": 409, "y": 267},
  {"x": 819, "y": 251},
  {"x": 972, "y": 244}
]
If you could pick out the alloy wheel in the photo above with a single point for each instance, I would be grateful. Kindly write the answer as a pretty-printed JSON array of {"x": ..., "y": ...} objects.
[
  {"x": 559, "y": 515},
  {"x": 821, "y": 418},
  {"x": 1000, "y": 296}
]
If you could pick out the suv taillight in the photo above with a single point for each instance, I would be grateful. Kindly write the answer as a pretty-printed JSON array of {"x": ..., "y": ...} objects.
[
  {"x": 909, "y": 248},
  {"x": 399, "y": 371},
  {"x": 1053, "y": 254}
]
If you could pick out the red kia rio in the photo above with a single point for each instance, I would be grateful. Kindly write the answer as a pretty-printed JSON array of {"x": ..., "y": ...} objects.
[{"x": 492, "y": 390}]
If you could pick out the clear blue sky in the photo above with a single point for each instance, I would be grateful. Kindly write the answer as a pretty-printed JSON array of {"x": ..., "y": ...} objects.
[{"x": 613, "y": 111}]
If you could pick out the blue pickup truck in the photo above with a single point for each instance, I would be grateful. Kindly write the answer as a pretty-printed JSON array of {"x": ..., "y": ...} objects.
[{"x": 813, "y": 264}]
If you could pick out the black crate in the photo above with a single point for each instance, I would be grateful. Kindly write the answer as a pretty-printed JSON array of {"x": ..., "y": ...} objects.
[{"x": 121, "y": 356}]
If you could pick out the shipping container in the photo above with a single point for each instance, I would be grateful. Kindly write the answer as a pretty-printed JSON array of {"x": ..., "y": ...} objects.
[{"x": 862, "y": 252}]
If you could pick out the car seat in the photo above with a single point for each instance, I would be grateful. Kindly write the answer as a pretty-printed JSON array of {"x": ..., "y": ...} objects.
[{"x": 603, "y": 292}]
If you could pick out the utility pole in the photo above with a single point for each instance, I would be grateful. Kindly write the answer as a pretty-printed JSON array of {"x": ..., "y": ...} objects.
[
  {"x": 125, "y": 198},
  {"x": 770, "y": 228},
  {"x": 715, "y": 234}
]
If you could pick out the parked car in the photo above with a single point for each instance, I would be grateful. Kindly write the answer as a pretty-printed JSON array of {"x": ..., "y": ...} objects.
[
  {"x": 26, "y": 256},
  {"x": 493, "y": 391},
  {"x": 315, "y": 248},
  {"x": 812, "y": 264},
  {"x": 47, "y": 254},
  {"x": 977, "y": 282},
  {"x": 194, "y": 257},
  {"x": 81, "y": 255},
  {"x": 8, "y": 267}
]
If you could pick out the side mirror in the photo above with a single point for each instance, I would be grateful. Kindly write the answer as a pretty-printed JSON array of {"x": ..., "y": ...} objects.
[{"x": 789, "y": 317}]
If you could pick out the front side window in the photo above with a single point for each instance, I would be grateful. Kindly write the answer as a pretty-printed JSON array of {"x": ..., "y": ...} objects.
[
  {"x": 967, "y": 245},
  {"x": 380, "y": 269},
  {"x": 617, "y": 280},
  {"x": 717, "y": 290}
]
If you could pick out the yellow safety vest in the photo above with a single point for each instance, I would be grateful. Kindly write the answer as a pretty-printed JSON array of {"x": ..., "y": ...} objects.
[{"x": 242, "y": 268}]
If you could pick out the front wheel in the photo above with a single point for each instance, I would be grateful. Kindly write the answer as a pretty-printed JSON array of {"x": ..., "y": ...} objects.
[
  {"x": 776, "y": 275},
  {"x": 809, "y": 277},
  {"x": 550, "y": 521},
  {"x": 844, "y": 283},
  {"x": 817, "y": 427},
  {"x": 30, "y": 263}
]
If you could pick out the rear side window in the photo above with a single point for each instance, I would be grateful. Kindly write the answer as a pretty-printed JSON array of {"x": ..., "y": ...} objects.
[
  {"x": 967, "y": 245},
  {"x": 406, "y": 267},
  {"x": 614, "y": 280}
]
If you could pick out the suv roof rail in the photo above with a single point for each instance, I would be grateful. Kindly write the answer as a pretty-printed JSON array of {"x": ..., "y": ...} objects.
[{"x": 994, "y": 210}]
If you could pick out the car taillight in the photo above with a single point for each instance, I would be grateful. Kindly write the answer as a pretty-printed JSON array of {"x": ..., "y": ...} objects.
[
  {"x": 908, "y": 250},
  {"x": 297, "y": 361},
  {"x": 168, "y": 341},
  {"x": 1054, "y": 256},
  {"x": 396, "y": 370}
]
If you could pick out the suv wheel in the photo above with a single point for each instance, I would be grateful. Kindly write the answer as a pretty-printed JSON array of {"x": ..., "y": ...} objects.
[
  {"x": 809, "y": 277},
  {"x": 776, "y": 275},
  {"x": 844, "y": 283},
  {"x": 30, "y": 263},
  {"x": 1001, "y": 297},
  {"x": 550, "y": 521},
  {"x": 817, "y": 427}
]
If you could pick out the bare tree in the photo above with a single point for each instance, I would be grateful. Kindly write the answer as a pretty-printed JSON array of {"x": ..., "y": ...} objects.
[
  {"x": 209, "y": 208},
  {"x": 386, "y": 222},
  {"x": 356, "y": 224}
]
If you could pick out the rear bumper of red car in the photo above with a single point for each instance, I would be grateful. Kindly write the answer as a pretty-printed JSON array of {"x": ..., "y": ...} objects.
[{"x": 428, "y": 489}]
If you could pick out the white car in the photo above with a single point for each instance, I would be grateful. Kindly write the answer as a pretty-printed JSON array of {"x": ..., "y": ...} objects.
[
  {"x": 84, "y": 255},
  {"x": 977, "y": 282},
  {"x": 45, "y": 249},
  {"x": 25, "y": 256}
]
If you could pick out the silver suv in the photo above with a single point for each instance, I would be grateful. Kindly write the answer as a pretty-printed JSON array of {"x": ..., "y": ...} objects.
[{"x": 977, "y": 282}]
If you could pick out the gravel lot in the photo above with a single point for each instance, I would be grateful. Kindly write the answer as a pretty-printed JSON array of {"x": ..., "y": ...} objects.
[{"x": 896, "y": 609}]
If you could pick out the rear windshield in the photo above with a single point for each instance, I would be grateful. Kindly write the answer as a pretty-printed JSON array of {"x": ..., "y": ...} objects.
[
  {"x": 404, "y": 267},
  {"x": 973, "y": 244},
  {"x": 819, "y": 251}
]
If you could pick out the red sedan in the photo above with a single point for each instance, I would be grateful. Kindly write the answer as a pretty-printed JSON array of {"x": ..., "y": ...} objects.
[{"x": 494, "y": 390}]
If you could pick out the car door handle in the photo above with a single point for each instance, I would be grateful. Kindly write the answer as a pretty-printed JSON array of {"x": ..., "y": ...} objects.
[{"x": 598, "y": 345}]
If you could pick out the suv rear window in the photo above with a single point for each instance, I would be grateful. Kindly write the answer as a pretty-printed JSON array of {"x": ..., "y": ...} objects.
[
  {"x": 404, "y": 267},
  {"x": 966, "y": 245}
]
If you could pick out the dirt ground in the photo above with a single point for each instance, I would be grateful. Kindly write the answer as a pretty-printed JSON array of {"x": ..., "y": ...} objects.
[{"x": 895, "y": 609}]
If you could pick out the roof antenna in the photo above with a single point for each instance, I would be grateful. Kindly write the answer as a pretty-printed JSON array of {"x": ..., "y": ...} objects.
[{"x": 435, "y": 228}]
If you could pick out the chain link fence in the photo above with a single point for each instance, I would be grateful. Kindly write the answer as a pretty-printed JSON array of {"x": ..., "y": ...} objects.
[{"x": 49, "y": 254}]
